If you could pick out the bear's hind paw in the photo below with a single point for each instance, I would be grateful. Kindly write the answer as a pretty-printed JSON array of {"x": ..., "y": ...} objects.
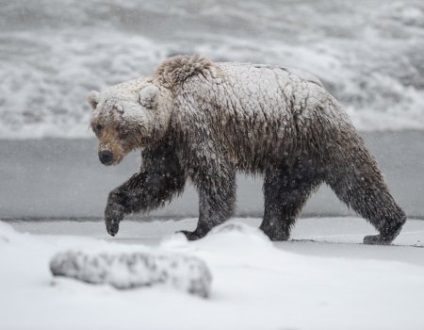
[{"x": 377, "y": 240}]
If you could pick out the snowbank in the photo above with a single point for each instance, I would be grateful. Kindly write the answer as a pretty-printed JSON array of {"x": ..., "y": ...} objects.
[
  {"x": 257, "y": 285},
  {"x": 136, "y": 269}
]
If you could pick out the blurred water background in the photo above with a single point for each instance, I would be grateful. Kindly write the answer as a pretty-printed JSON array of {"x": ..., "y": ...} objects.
[{"x": 369, "y": 53}]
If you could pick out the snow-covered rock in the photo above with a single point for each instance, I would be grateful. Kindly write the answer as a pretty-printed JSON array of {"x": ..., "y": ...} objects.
[{"x": 127, "y": 270}]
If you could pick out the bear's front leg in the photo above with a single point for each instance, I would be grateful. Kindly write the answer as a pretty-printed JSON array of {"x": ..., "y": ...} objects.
[
  {"x": 158, "y": 182},
  {"x": 216, "y": 201},
  {"x": 144, "y": 191}
]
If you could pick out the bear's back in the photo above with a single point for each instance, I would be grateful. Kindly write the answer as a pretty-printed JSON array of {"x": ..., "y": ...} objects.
[
  {"x": 255, "y": 113},
  {"x": 257, "y": 72},
  {"x": 269, "y": 92},
  {"x": 271, "y": 108}
]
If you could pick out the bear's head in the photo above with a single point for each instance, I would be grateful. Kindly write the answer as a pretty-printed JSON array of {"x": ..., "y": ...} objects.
[{"x": 127, "y": 116}]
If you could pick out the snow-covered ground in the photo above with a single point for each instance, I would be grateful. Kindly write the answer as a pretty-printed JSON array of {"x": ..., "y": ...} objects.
[{"x": 322, "y": 279}]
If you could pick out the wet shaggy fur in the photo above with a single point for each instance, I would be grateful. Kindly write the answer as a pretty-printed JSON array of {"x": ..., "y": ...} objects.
[{"x": 204, "y": 121}]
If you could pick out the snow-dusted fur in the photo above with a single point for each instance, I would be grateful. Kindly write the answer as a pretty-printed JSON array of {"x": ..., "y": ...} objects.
[{"x": 205, "y": 121}]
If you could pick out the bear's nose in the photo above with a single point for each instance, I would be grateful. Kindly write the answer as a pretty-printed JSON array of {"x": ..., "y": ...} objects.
[{"x": 106, "y": 157}]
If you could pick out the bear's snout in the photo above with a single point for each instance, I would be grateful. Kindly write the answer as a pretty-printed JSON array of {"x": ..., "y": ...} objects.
[{"x": 106, "y": 157}]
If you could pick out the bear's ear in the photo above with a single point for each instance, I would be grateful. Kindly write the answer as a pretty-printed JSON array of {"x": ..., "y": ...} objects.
[
  {"x": 148, "y": 96},
  {"x": 93, "y": 98}
]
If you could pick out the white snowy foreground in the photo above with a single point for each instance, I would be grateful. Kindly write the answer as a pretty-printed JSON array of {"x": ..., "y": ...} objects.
[{"x": 322, "y": 279}]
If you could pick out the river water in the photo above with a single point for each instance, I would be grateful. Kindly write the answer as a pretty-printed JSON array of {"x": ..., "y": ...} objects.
[{"x": 369, "y": 53}]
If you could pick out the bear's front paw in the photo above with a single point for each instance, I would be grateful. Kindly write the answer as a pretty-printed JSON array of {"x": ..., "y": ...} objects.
[
  {"x": 191, "y": 235},
  {"x": 377, "y": 240},
  {"x": 112, "y": 227},
  {"x": 113, "y": 216},
  {"x": 114, "y": 212}
]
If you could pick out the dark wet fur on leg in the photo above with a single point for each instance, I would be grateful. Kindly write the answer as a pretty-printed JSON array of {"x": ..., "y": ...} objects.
[
  {"x": 286, "y": 190},
  {"x": 357, "y": 181},
  {"x": 160, "y": 179}
]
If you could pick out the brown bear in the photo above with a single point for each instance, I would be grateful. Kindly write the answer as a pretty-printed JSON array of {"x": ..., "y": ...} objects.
[{"x": 205, "y": 121}]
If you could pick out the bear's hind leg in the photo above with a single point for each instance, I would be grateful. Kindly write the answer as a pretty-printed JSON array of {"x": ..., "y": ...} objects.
[
  {"x": 358, "y": 182},
  {"x": 286, "y": 190}
]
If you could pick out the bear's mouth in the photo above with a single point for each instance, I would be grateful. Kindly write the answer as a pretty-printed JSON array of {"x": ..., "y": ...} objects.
[{"x": 117, "y": 161}]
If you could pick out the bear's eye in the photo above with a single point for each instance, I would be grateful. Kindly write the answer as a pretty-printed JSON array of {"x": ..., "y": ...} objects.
[
  {"x": 98, "y": 127},
  {"x": 122, "y": 130}
]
